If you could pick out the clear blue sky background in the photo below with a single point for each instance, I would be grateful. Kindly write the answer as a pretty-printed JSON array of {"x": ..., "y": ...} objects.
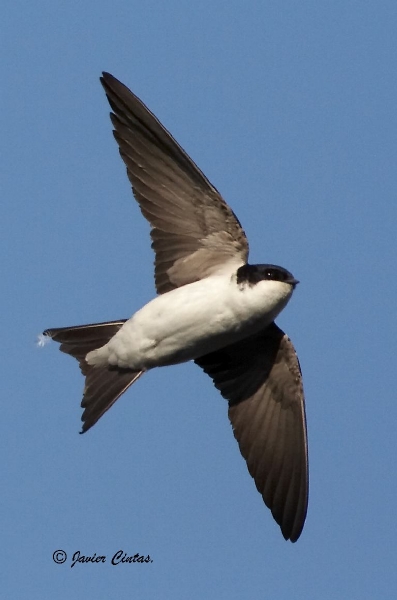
[{"x": 290, "y": 110}]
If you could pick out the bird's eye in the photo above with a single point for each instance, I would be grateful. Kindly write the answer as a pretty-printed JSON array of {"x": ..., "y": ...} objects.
[{"x": 270, "y": 274}]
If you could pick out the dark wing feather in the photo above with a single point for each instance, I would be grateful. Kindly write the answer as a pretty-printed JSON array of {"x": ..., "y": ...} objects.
[
  {"x": 261, "y": 378},
  {"x": 103, "y": 386},
  {"x": 194, "y": 232}
]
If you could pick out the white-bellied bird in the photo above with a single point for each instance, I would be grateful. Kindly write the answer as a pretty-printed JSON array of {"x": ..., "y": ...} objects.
[{"x": 212, "y": 307}]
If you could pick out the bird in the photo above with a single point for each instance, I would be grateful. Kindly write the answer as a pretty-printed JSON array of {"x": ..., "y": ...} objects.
[{"x": 212, "y": 307}]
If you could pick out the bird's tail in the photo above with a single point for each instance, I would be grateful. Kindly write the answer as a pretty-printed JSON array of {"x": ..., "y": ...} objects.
[{"x": 103, "y": 385}]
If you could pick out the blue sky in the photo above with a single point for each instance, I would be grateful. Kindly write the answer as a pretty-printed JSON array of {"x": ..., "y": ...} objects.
[{"x": 290, "y": 110}]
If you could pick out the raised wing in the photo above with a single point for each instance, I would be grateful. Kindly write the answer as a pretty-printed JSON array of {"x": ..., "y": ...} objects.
[
  {"x": 261, "y": 378},
  {"x": 194, "y": 232}
]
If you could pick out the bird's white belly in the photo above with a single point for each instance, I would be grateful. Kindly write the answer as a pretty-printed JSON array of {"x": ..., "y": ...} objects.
[{"x": 191, "y": 321}]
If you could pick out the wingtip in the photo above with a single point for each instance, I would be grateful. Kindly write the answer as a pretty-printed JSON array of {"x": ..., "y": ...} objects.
[
  {"x": 104, "y": 79},
  {"x": 292, "y": 534},
  {"x": 85, "y": 427},
  {"x": 107, "y": 78}
]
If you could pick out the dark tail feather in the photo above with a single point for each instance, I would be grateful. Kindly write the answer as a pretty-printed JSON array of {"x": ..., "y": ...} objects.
[{"x": 103, "y": 386}]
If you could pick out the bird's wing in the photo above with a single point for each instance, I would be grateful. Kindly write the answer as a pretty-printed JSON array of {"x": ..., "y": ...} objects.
[
  {"x": 194, "y": 232},
  {"x": 261, "y": 378}
]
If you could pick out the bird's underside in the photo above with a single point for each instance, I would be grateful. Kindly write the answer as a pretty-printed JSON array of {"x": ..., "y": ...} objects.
[
  {"x": 255, "y": 375},
  {"x": 195, "y": 234}
]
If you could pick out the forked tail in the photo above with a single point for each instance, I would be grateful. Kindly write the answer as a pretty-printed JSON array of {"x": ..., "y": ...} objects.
[{"x": 103, "y": 385}]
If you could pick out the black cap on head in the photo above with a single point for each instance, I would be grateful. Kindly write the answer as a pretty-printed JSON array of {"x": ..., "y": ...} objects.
[{"x": 252, "y": 274}]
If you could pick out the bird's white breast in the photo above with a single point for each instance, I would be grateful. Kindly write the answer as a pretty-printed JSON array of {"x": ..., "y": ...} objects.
[{"x": 193, "y": 320}]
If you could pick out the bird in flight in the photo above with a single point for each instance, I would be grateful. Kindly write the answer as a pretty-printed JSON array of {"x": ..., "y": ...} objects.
[{"x": 212, "y": 307}]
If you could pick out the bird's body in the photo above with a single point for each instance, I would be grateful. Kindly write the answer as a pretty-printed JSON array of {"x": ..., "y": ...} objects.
[
  {"x": 191, "y": 321},
  {"x": 213, "y": 307}
]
